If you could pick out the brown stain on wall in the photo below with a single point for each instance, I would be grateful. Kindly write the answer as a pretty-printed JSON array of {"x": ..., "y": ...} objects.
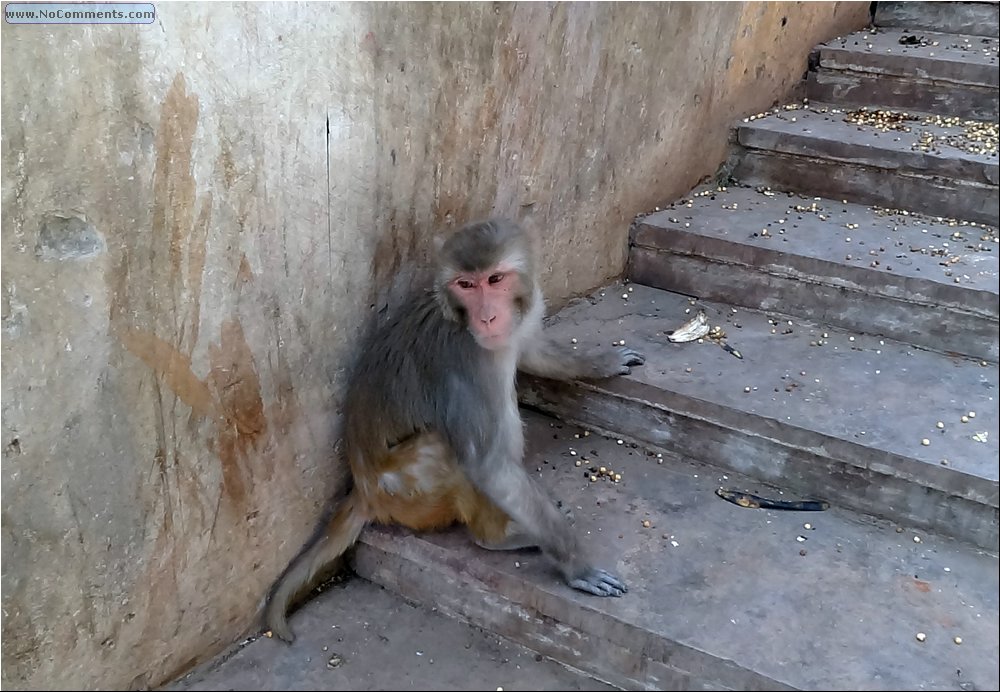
[
  {"x": 173, "y": 368},
  {"x": 173, "y": 184},
  {"x": 237, "y": 386}
]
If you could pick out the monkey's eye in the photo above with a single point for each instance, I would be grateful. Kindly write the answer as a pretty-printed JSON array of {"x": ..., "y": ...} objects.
[
  {"x": 465, "y": 283},
  {"x": 496, "y": 278}
]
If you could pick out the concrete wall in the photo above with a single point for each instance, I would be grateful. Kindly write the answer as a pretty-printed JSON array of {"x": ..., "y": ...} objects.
[{"x": 198, "y": 215}]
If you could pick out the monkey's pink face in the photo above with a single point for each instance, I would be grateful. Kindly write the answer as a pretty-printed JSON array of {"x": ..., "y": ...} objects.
[{"x": 488, "y": 299}]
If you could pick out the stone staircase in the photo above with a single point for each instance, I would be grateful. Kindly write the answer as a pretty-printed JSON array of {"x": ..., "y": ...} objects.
[{"x": 852, "y": 264}]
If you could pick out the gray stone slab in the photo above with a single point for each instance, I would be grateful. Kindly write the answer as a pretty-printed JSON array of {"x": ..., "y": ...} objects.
[
  {"x": 720, "y": 597},
  {"x": 902, "y": 93},
  {"x": 948, "y": 74},
  {"x": 979, "y": 18},
  {"x": 844, "y": 420},
  {"x": 822, "y": 131},
  {"x": 866, "y": 184},
  {"x": 358, "y": 636},
  {"x": 816, "y": 151},
  {"x": 959, "y": 59},
  {"x": 927, "y": 281}
]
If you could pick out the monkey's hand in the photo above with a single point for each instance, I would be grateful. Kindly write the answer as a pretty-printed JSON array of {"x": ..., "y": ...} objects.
[
  {"x": 610, "y": 363},
  {"x": 598, "y": 582},
  {"x": 626, "y": 358},
  {"x": 546, "y": 358}
]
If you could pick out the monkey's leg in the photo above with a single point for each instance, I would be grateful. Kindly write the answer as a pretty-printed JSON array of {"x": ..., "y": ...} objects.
[
  {"x": 422, "y": 487},
  {"x": 507, "y": 484},
  {"x": 490, "y": 525},
  {"x": 418, "y": 485}
]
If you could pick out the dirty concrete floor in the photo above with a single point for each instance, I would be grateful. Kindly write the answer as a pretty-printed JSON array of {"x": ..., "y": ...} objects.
[{"x": 358, "y": 636}]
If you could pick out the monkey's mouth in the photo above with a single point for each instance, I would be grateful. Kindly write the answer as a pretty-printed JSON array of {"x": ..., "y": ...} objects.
[{"x": 492, "y": 342}]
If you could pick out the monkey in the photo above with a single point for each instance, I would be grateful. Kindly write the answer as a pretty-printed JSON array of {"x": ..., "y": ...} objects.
[{"x": 431, "y": 427}]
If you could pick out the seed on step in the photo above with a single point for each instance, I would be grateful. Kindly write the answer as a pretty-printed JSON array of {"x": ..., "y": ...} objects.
[
  {"x": 621, "y": 442},
  {"x": 630, "y": 289},
  {"x": 940, "y": 424},
  {"x": 687, "y": 369},
  {"x": 593, "y": 478},
  {"x": 807, "y": 526},
  {"x": 972, "y": 414},
  {"x": 899, "y": 529},
  {"x": 958, "y": 640},
  {"x": 921, "y": 636},
  {"x": 925, "y": 442},
  {"x": 916, "y": 539},
  {"x": 603, "y": 470},
  {"x": 646, "y": 523},
  {"x": 800, "y": 539},
  {"x": 746, "y": 389},
  {"x": 578, "y": 462},
  {"x": 964, "y": 419},
  {"x": 625, "y": 296},
  {"x": 572, "y": 341},
  {"x": 572, "y": 453}
]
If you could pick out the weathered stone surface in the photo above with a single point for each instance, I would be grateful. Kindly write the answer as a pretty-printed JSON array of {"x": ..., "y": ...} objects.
[
  {"x": 844, "y": 419},
  {"x": 817, "y": 151},
  {"x": 720, "y": 597},
  {"x": 979, "y": 18},
  {"x": 946, "y": 74},
  {"x": 260, "y": 175},
  {"x": 917, "y": 279}
]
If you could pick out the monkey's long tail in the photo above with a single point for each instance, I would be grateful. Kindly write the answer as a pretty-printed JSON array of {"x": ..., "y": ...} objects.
[{"x": 330, "y": 542}]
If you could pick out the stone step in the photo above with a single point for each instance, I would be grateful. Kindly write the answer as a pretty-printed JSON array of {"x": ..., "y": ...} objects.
[
  {"x": 928, "y": 164},
  {"x": 977, "y": 18},
  {"x": 816, "y": 409},
  {"x": 929, "y": 282},
  {"x": 947, "y": 74},
  {"x": 721, "y": 597},
  {"x": 356, "y": 635}
]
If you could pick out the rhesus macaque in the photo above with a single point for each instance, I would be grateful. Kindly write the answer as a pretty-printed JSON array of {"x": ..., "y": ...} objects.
[{"x": 432, "y": 430}]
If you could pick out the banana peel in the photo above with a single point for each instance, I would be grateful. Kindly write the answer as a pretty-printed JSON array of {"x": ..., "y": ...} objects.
[
  {"x": 699, "y": 328},
  {"x": 695, "y": 328}
]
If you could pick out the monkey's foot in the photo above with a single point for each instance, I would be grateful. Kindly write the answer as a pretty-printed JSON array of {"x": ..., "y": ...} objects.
[{"x": 599, "y": 583}]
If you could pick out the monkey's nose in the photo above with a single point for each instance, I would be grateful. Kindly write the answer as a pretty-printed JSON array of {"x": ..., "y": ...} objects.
[{"x": 489, "y": 320}]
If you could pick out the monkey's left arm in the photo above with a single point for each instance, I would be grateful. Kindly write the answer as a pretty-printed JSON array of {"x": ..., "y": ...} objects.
[{"x": 545, "y": 357}]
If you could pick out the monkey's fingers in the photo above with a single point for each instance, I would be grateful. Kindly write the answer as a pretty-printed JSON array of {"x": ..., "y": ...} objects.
[
  {"x": 599, "y": 583},
  {"x": 631, "y": 357}
]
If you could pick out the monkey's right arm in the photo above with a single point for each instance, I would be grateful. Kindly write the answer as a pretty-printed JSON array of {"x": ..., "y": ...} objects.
[
  {"x": 546, "y": 358},
  {"x": 491, "y": 453}
]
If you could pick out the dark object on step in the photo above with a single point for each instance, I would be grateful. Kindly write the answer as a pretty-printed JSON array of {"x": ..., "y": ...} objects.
[{"x": 757, "y": 502}]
